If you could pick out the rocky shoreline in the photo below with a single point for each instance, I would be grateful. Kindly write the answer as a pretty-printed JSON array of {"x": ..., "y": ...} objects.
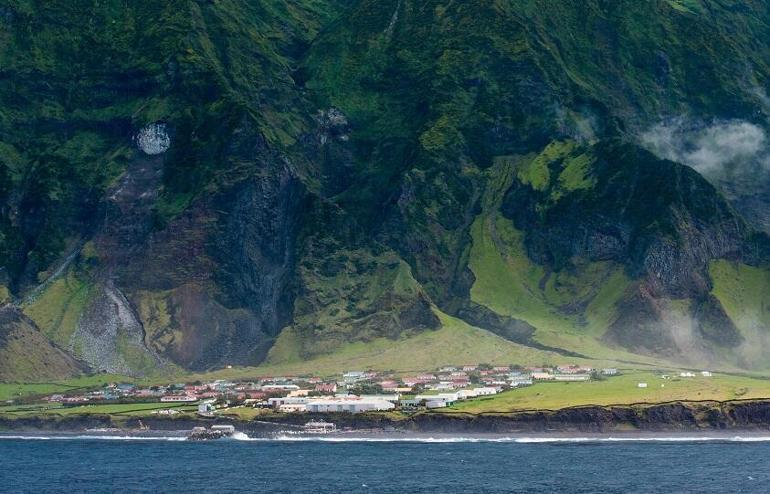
[{"x": 678, "y": 416}]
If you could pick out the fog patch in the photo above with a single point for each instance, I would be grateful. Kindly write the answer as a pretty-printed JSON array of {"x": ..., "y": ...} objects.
[
  {"x": 580, "y": 126},
  {"x": 761, "y": 95},
  {"x": 711, "y": 149}
]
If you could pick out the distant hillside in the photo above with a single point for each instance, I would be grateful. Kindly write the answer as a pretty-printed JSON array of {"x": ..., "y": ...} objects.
[{"x": 192, "y": 184}]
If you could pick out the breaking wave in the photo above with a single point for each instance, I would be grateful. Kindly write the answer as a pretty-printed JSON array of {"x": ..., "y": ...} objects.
[
  {"x": 504, "y": 439},
  {"x": 240, "y": 436}
]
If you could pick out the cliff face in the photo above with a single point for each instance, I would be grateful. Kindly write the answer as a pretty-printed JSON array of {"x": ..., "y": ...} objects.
[
  {"x": 675, "y": 417},
  {"x": 194, "y": 184},
  {"x": 663, "y": 221},
  {"x": 737, "y": 415}
]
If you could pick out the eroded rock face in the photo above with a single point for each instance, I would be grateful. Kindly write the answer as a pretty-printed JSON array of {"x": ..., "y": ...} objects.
[
  {"x": 333, "y": 124},
  {"x": 213, "y": 285},
  {"x": 256, "y": 247},
  {"x": 110, "y": 337},
  {"x": 153, "y": 139}
]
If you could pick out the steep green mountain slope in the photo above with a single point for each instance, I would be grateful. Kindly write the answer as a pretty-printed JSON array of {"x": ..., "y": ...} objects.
[
  {"x": 191, "y": 184},
  {"x": 26, "y": 354}
]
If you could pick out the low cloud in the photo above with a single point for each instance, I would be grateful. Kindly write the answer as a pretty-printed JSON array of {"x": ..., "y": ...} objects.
[
  {"x": 579, "y": 125},
  {"x": 710, "y": 148}
]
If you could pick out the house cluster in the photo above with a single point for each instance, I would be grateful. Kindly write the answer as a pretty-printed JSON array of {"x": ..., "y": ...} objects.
[
  {"x": 568, "y": 373},
  {"x": 110, "y": 392},
  {"x": 501, "y": 377},
  {"x": 353, "y": 391},
  {"x": 171, "y": 393},
  {"x": 346, "y": 402},
  {"x": 683, "y": 374},
  {"x": 441, "y": 400},
  {"x": 361, "y": 391},
  {"x": 693, "y": 374}
]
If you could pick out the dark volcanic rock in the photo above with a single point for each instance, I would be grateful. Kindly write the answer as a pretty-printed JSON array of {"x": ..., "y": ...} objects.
[
  {"x": 256, "y": 246},
  {"x": 662, "y": 220},
  {"x": 507, "y": 327}
]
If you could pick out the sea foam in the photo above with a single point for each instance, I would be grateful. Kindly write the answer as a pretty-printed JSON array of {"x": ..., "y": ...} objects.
[{"x": 240, "y": 436}]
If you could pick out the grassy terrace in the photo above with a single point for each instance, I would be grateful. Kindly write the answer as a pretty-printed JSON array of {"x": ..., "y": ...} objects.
[
  {"x": 9, "y": 391},
  {"x": 124, "y": 409},
  {"x": 455, "y": 343},
  {"x": 618, "y": 390}
]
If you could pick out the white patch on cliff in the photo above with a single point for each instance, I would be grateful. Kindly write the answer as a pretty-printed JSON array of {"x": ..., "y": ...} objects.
[
  {"x": 333, "y": 125},
  {"x": 153, "y": 139}
]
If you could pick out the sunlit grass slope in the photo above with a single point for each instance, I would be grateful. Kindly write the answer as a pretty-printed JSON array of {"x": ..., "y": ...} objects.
[{"x": 621, "y": 389}]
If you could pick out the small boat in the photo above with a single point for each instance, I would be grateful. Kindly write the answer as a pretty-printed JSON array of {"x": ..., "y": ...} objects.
[{"x": 319, "y": 427}]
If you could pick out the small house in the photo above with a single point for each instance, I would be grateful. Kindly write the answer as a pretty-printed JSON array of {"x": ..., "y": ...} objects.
[{"x": 206, "y": 408}]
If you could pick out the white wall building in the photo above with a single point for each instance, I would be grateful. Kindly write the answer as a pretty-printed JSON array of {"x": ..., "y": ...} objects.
[
  {"x": 353, "y": 377},
  {"x": 393, "y": 398},
  {"x": 288, "y": 400},
  {"x": 206, "y": 408},
  {"x": 485, "y": 391},
  {"x": 520, "y": 381},
  {"x": 441, "y": 386},
  {"x": 435, "y": 404},
  {"x": 542, "y": 376},
  {"x": 178, "y": 399},
  {"x": 279, "y": 387},
  {"x": 571, "y": 377},
  {"x": 348, "y": 405},
  {"x": 449, "y": 398}
]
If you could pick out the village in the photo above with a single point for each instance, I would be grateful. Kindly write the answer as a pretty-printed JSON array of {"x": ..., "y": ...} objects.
[{"x": 353, "y": 391}]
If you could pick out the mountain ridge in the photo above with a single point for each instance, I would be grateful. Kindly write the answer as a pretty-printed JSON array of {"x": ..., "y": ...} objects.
[{"x": 237, "y": 183}]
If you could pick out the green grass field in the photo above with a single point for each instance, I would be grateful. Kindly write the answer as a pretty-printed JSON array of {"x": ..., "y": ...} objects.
[
  {"x": 10, "y": 391},
  {"x": 744, "y": 292},
  {"x": 133, "y": 409},
  {"x": 122, "y": 409},
  {"x": 455, "y": 343},
  {"x": 620, "y": 389},
  {"x": 245, "y": 413},
  {"x": 57, "y": 309},
  {"x": 617, "y": 390},
  {"x": 509, "y": 283}
]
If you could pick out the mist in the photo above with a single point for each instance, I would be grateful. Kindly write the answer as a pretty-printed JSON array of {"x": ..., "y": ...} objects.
[{"x": 712, "y": 149}]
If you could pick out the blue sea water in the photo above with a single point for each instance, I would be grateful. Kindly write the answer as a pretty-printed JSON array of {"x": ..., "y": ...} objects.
[{"x": 405, "y": 466}]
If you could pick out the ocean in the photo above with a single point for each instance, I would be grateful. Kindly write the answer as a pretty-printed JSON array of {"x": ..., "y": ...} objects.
[{"x": 389, "y": 465}]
